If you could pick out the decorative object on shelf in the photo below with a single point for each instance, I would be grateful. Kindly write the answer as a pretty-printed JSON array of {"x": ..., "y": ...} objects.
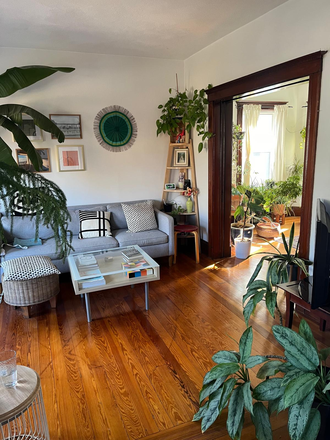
[
  {"x": 115, "y": 128},
  {"x": 187, "y": 184},
  {"x": 180, "y": 137},
  {"x": 189, "y": 205},
  {"x": 30, "y": 129},
  {"x": 25, "y": 163},
  {"x": 70, "y": 157},
  {"x": 70, "y": 125},
  {"x": 170, "y": 185},
  {"x": 181, "y": 201},
  {"x": 187, "y": 111},
  {"x": 181, "y": 157},
  {"x": 181, "y": 180}
]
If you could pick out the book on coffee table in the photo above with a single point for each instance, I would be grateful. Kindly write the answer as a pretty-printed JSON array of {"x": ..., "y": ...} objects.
[{"x": 131, "y": 254}]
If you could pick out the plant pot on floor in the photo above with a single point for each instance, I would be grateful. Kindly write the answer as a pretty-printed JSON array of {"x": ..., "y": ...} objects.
[
  {"x": 268, "y": 230},
  {"x": 242, "y": 248},
  {"x": 236, "y": 230}
]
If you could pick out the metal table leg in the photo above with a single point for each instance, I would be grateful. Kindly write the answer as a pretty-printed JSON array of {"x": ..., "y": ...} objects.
[
  {"x": 146, "y": 294},
  {"x": 88, "y": 307}
]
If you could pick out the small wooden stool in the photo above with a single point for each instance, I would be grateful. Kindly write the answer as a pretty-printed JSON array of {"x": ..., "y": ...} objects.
[{"x": 186, "y": 229}]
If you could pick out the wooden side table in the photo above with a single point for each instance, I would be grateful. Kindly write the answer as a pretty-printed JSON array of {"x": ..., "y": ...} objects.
[
  {"x": 22, "y": 410},
  {"x": 293, "y": 296}
]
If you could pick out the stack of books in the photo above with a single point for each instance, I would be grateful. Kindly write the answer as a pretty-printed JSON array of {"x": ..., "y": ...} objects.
[
  {"x": 139, "y": 273},
  {"x": 131, "y": 255},
  {"x": 88, "y": 267}
]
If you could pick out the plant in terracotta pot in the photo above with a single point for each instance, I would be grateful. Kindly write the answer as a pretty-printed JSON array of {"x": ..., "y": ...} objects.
[{"x": 187, "y": 112}]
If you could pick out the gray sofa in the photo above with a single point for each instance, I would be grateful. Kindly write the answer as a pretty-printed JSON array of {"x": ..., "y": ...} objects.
[{"x": 157, "y": 242}]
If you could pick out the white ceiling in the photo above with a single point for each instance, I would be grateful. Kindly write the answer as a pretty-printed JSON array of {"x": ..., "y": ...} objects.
[{"x": 152, "y": 28}]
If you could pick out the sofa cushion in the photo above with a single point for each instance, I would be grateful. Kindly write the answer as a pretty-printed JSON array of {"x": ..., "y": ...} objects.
[
  {"x": 28, "y": 268},
  {"x": 118, "y": 220},
  {"x": 145, "y": 238},
  {"x": 74, "y": 224},
  {"x": 95, "y": 244},
  {"x": 24, "y": 227},
  {"x": 94, "y": 224},
  {"x": 140, "y": 216}
]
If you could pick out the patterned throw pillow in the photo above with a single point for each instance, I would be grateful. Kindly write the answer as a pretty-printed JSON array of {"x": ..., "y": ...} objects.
[
  {"x": 140, "y": 216},
  {"x": 28, "y": 268},
  {"x": 94, "y": 224}
]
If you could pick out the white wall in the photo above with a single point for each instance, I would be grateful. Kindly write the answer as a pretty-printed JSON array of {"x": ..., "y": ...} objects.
[
  {"x": 138, "y": 84},
  {"x": 294, "y": 29}
]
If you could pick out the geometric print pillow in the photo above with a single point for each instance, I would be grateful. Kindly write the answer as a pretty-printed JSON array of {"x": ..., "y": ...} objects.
[
  {"x": 94, "y": 224},
  {"x": 27, "y": 268},
  {"x": 140, "y": 216}
]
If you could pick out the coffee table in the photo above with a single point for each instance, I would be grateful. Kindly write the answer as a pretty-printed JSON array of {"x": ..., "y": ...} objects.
[{"x": 109, "y": 265}]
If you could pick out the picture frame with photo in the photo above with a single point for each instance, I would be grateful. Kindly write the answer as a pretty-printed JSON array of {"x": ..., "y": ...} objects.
[
  {"x": 70, "y": 158},
  {"x": 30, "y": 129},
  {"x": 24, "y": 162},
  {"x": 181, "y": 157},
  {"x": 70, "y": 125}
]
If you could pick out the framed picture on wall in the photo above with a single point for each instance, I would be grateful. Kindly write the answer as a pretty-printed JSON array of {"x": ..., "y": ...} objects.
[
  {"x": 70, "y": 157},
  {"x": 30, "y": 129},
  {"x": 69, "y": 124},
  {"x": 24, "y": 162},
  {"x": 180, "y": 157}
]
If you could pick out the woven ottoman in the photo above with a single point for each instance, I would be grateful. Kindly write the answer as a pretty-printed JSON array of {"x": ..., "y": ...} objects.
[{"x": 30, "y": 280}]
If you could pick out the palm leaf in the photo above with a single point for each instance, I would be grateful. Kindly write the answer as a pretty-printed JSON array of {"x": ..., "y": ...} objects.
[
  {"x": 6, "y": 154},
  {"x": 12, "y": 111},
  {"x": 291, "y": 238},
  {"x": 18, "y": 78},
  {"x": 23, "y": 141}
]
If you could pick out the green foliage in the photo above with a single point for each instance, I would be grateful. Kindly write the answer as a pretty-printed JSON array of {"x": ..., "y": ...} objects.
[
  {"x": 304, "y": 378},
  {"x": 277, "y": 272},
  {"x": 39, "y": 195},
  {"x": 190, "y": 111}
]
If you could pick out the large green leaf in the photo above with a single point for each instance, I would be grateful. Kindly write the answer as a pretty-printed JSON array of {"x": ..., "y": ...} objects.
[
  {"x": 299, "y": 388},
  {"x": 223, "y": 370},
  {"x": 313, "y": 425},
  {"x": 6, "y": 154},
  {"x": 18, "y": 78},
  {"x": 256, "y": 271},
  {"x": 269, "y": 389},
  {"x": 240, "y": 428},
  {"x": 261, "y": 422},
  {"x": 306, "y": 332},
  {"x": 299, "y": 353},
  {"x": 247, "y": 396},
  {"x": 324, "y": 353},
  {"x": 290, "y": 375},
  {"x": 212, "y": 411},
  {"x": 252, "y": 291},
  {"x": 298, "y": 416},
  {"x": 23, "y": 142},
  {"x": 269, "y": 369},
  {"x": 12, "y": 110},
  {"x": 227, "y": 388},
  {"x": 291, "y": 238},
  {"x": 201, "y": 412},
  {"x": 248, "y": 310},
  {"x": 222, "y": 357},
  {"x": 271, "y": 298},
  {"x": 211, "y": 388},
  {"x": 235, "y": 410},
  {"x": 245, "y": 345},
  {"x": 255, "y": 360}
]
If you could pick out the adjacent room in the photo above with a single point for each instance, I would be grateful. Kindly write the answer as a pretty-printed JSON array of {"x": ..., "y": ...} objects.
[{"x": 164, "y": 220}]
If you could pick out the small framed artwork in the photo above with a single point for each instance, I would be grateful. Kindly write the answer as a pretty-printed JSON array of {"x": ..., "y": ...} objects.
[
  {"x": 180, "y": 157},
  {"x": 24, "y": 162},
  {"x": 70, "y": 157},
  {"x": 69, "y": 124},
  {"x": 170, "y": 185},
  {"x": 30, "y": 129}
]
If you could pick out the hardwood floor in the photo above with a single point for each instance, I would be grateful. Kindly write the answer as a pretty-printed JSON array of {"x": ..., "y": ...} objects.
[{"x": 132, "y": 374}]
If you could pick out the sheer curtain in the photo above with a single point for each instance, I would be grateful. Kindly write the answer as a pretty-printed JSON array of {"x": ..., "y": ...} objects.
[
  {"x": 251, "y": 114},
  {"x": 279, "y": 124}
]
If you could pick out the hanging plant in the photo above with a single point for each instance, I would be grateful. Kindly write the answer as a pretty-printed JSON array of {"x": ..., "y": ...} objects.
[{"x": 191, "y": 111}]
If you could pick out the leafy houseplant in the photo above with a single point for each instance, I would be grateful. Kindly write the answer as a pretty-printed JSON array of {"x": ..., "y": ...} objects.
[
  {"x": 294, "y": 381},
  {"x": 238, "y": 136},
  {"x": 38, "y": 194},
  {"x": 189, "y": 111}
]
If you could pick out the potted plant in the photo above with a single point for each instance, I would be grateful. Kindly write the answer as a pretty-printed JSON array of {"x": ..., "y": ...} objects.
[
  {"x": 187, "y": 112},
  {"x": 237, "y": 137},
  {"x": 177, "y": 210},
  {"x": 40, "y": 195},
  {"x": 298, "y": 381},
  {"x": 303, "y": 381}
]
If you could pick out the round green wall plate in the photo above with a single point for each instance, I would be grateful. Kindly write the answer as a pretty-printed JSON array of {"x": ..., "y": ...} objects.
[{"x": 115, "y": 128}]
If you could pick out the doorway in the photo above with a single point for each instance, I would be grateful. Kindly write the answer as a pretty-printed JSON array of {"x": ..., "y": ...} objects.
[{"x": 220, "y": 146}]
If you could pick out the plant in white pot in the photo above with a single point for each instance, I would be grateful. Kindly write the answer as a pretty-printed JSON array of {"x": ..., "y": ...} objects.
[{"x": 245, "y": 211}]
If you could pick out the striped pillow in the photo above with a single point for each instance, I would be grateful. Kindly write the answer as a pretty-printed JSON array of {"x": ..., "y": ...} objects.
[{"x": 94, "y": 224}]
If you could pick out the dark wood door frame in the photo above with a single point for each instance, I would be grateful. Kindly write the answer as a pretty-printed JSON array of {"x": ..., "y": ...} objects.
[{"x": 220, "y": 146}]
